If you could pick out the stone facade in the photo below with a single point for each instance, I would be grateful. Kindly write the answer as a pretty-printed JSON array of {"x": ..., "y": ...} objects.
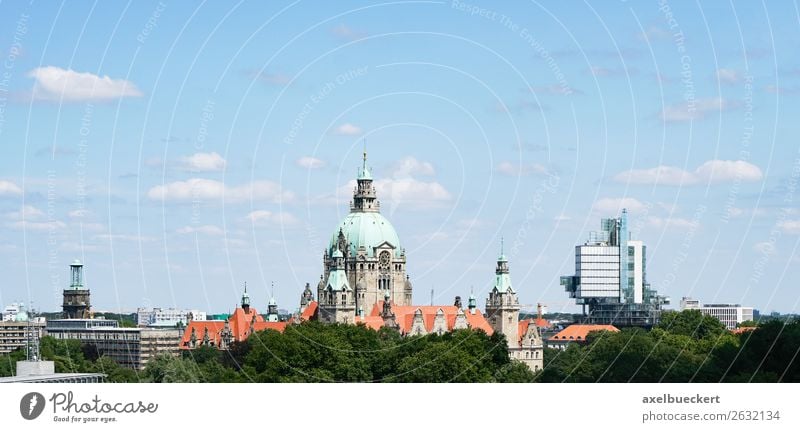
[
  {"x": 373, "y": 260},
  {"x": 365, "y": 282}
]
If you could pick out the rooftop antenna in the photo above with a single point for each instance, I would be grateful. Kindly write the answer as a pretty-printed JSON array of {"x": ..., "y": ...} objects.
[{"x": 431, "y": 296}]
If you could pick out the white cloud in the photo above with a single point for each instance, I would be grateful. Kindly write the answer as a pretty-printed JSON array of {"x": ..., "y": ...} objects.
[
  {"x": 515, "y": 170},
  {"x": 26, "y": 212},
  {"x": 348, "y": 129},
  {"x": 728, "y": 76},
  {"x": 555, "y": 89},
  {"x": 277, "y": 79},
  {"x": 409, "y": 166},
  {"x": 697, "y": 110},
  {"x": 713, "y": 171},
  {"x": 56, "y": 84},
  {"x": 125, "y": 237},
  {"x": 205, "y": 189},
  {"x": 266, "y": 218},
  {"x": 764, "y": 247},
  {"x": 790, "y": 226},
  {"x": 653, "y": 32},
  {"x": 562, "y": 218},
  {"x": 413, "y": 193},
  {"x": 345, "y": 32},
  {"x": 202, "y": 162},
  {"x": 27, "y": 225},
  {"x": 309, "y": 162},
  {"x": 9, "y": 188},
  {"x": 407, "y": 192},
  {"x": 79, "y": 213},
  {"x": 613, "y": 206},
  {"x": 211, "y": 230}
]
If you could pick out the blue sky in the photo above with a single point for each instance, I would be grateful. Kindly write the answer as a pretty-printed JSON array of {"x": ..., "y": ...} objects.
[{"x": 181, "y": 150}]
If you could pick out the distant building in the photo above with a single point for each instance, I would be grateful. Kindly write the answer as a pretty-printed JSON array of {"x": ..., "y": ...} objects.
[
  {"x": 35, "y": 370},
  {"x": 121, "y": 344},
  {"x": 157, "y": 341},
  {"x": 77, "y": 302},
  {"x": 10, "y": 311},
  {"x": 237, "y": 327},
  {"x": 576, "y": 333},
  {"x": 14, "y": 333},
  {"x": 610, "y": 280},
  {"x": 729, "y": 314},
  {"x": 171, "y": 317},
  {"x": 688, "y": 303}
]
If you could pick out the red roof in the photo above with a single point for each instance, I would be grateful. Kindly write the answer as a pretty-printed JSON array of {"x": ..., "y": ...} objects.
[
  {"x": 239, "y": 324},
  {"x": 741, "y": 330},
  {"x": 578, "y": 332},
  {"x": 309, "y": 312},
  {"x": 404, "y": 316},
  {"x": 373, "y": 322}
]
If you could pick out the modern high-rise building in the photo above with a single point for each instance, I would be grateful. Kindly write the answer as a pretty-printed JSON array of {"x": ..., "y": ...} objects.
[{"x": 610, "y": 280}]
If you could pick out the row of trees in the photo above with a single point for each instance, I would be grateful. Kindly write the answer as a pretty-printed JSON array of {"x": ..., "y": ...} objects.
[
  {"x": 311, "y": 352},
  {"x": 684, "y": 347}
]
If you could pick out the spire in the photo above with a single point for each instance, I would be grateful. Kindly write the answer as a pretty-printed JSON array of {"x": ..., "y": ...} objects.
[
  {"x": 245, "y": 298},
  {"x": 363, "y": 173},
  {"x": 502, "y": 257},
  {"x": 473, "y": 303}
]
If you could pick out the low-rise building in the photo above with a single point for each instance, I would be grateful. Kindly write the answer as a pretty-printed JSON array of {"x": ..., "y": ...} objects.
[
  {"x": 14, "y": 334},
  {"x": 158, "y": 341},
  {"x": 121, "y": 344},
  {"x": 729, "y": 314},
  {"x": 576, "y": 333},
  {"x": 170, "y": 317}
]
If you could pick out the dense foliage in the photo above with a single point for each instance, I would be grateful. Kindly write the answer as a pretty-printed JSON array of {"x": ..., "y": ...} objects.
[
  {"x": 684, "y": 347},
  {"x": 312, "y": 352}
]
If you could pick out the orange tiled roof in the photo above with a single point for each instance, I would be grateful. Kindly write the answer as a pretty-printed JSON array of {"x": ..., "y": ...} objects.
[
  {"x": 578, "y": 332},
  {"x": 404, "y": 316},
  {"x": 371, "y": 321},
  {"x": 310, "y": 311},
  {"x": 741, "y": 330},
  {"x": 239, "y": 324}
]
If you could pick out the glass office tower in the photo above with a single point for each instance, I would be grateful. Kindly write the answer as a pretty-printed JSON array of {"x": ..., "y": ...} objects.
[{"x": 610, "y": 280}]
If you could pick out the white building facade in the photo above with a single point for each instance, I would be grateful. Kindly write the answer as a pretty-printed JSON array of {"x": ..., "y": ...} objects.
[{"x": 158, "y": 317}]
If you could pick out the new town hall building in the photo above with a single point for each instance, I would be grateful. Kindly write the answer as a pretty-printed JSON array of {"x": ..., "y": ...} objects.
[{"x": 365, "y": 282}]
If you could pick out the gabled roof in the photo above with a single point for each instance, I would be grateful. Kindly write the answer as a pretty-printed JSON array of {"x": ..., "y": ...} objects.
[
  {"x": 310, "y": 311},
  {"x": 404, "y": 316},
  {"x": 239, "y": 323},
  {"x": 578, "y": 332},
  {"x": 373, "y": 322}
]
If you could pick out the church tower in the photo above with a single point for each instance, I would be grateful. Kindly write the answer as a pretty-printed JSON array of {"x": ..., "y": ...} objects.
[
  {"x": 76, "y": 297},
  {"x": 502, "y": 305},
  {"x": 337, "y": 300}
]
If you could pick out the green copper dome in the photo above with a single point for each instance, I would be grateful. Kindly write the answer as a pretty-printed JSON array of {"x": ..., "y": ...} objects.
[{"x": 365, "y": 229}]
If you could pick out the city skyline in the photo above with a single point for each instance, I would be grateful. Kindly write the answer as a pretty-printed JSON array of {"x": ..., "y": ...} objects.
[{"x": 179, "y": 153}]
